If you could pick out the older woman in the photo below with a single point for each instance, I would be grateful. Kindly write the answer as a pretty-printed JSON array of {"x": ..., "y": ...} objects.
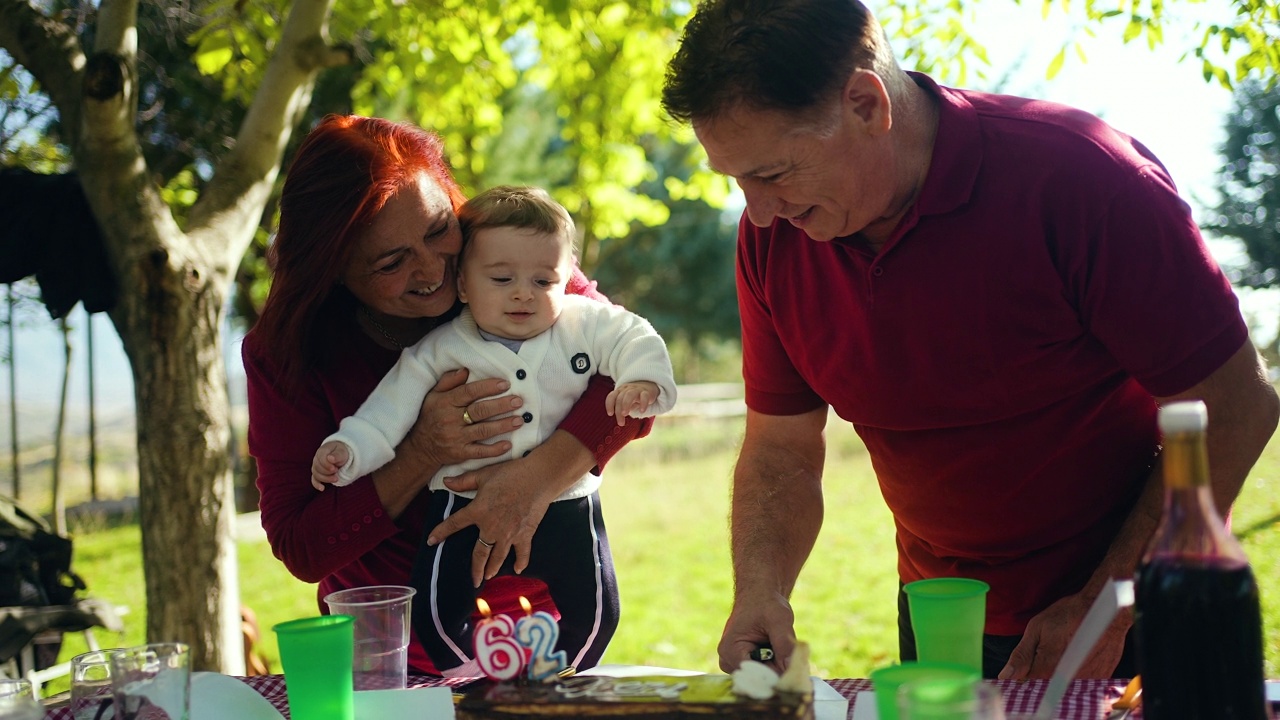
[{"x": 364, "y": 265}]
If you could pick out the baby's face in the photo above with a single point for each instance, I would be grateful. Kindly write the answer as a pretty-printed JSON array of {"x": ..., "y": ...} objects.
[{"x": 514, "y": 279}]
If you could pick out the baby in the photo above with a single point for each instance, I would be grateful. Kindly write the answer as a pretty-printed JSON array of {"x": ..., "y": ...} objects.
[{"x": 518, "y": 324}]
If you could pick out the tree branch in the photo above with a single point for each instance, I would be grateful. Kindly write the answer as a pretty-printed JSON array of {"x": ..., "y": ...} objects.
[
  {"x": 234, "y": 199},
  {"x": 111, "y": 81},
  {"x": 48, "y": 50}
]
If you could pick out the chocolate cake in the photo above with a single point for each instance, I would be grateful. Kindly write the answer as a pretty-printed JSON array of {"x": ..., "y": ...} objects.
[{"x": 706, "y": 697}]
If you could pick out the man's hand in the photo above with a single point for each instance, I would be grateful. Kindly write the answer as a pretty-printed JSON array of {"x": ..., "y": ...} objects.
[
  {"x": 1049, "y": 632},
  {"x": 755, "y": 623}
]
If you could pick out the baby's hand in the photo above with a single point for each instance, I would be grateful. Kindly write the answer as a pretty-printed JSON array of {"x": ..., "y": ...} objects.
[
  {"x": 328, "y": 460},
  {"x": 631, "y": 399}
]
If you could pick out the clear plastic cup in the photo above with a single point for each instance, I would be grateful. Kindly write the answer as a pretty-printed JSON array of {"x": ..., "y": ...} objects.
[{"x": 381, "y": 612}]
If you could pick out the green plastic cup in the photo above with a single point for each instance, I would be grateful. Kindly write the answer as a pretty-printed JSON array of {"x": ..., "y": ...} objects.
[
  {"x": 316, "y": 654},
  {"x": 949, "y": 700},
  {"x": 948, "y": 615},
  {"x": 886, "y": 681}
]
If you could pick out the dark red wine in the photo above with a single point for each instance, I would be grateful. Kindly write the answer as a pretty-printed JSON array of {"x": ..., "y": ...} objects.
[{"x": 1199, "y": 642}]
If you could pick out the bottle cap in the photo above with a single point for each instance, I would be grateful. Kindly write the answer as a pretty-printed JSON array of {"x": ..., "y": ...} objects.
[{"x": 1184, "y": 416}]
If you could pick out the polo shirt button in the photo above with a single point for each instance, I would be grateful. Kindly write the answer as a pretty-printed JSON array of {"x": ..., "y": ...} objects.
[
  {"x": 377, "y": 512},
  {"x": 367, "y": 519},
  {"x": 527, "y": 417},
  {"x": 332, "y": 540},
  {"x": 877, "y": 271},
  {"x": 355, "y": 527},
  {"x": 520, "y": 374},
  {"x": 343, "y": 536}
]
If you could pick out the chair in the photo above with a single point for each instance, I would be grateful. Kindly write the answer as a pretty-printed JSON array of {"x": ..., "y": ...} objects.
[{"x": 30, "y": 637}]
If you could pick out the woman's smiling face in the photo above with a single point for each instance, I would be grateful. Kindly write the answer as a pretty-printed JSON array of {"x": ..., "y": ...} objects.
[{"x": 404, "y": 263}]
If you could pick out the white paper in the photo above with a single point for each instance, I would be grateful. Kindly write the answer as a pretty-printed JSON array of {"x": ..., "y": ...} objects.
[
  {"x": 864, "y": 706},
  {"x": 428, "y": 703}
]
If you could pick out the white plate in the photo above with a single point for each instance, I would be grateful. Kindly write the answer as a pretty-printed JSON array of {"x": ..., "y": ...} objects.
[{"x": 215, "y": 696}]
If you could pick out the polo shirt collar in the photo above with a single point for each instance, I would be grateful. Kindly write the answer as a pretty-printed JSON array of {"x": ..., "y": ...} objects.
[{"x": 957, "y": 151}]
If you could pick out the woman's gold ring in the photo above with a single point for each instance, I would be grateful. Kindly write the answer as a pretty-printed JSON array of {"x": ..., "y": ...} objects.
[
  {"x": 484, "y": 542},
  {"x": 466, "y": 416}
]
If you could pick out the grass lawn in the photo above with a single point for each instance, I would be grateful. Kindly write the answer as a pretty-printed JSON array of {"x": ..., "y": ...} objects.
[{"x": 666, "y": 503}]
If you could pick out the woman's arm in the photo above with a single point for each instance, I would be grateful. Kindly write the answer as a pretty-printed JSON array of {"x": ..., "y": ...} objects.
[{"x": 316, "y": 534}]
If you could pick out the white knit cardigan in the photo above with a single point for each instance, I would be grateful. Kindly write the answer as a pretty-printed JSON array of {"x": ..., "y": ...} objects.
[{"x": 549, "y": 373}]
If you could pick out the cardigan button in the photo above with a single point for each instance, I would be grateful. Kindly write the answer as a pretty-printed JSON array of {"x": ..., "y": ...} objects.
[
  {"x": 520, "y": 374},
  {"x": 527, "y": 417}
]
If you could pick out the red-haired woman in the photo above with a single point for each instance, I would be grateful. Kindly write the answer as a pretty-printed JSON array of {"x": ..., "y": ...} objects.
[{"x": 363, "y": 267}]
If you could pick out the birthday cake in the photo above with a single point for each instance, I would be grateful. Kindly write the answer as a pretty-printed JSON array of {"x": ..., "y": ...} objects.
[{"x": 633, "y": 698}]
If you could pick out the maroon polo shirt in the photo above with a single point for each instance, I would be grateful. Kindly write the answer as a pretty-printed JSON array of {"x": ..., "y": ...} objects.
[{"x": 1000, "y": 354}]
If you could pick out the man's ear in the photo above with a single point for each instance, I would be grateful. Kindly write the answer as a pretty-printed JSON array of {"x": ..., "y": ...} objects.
[{"x": 867, "y": 99}]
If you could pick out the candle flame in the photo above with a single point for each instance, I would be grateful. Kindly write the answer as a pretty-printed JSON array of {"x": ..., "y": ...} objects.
[
  {"x": 524, "y": 603},
  {"x": 483, "y": 607}
]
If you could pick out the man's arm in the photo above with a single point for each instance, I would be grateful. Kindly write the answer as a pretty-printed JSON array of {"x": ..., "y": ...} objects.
[
  {"x": 775, "y": 518},
  {"x": 1243, "y": 411}
]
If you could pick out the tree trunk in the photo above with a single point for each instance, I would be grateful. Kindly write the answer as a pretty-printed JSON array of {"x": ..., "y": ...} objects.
[{"x": 170, "y": 328}]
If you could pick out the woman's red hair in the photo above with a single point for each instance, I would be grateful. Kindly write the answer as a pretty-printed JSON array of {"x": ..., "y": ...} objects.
[{"x": 345, "y": 171}]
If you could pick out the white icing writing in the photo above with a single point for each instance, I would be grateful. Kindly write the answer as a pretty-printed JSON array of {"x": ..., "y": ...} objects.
[{"x": 603, "y": 688}]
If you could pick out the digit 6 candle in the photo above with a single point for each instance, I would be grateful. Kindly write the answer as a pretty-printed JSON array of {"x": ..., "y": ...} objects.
[{"x": 500, "y": 657}]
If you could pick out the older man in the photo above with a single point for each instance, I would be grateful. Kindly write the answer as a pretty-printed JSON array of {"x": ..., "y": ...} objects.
[{"x": 997, "y": 292}]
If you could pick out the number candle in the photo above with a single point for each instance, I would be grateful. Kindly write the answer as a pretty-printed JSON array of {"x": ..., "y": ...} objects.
[
  {"x": 539, "y": 632},
  {"x": 500, "y": 657}
]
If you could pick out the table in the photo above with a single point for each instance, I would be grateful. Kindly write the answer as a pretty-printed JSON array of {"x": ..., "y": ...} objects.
[{"x": 1085, "y": 699}]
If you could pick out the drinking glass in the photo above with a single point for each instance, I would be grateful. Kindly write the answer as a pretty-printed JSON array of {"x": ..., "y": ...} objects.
[
  {"x": 152, "y": 682},
  {"x": 91, "y": 685},
  {"x": 18, "y": 700}
]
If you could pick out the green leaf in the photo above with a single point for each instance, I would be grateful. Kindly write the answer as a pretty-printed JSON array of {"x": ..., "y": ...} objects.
[
  {"x": 213, "y": 53},
  {"x": 1055, "y": 65}
]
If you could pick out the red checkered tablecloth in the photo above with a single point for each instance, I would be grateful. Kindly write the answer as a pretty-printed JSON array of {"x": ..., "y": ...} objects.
[{"x": 1085, "y": 699}]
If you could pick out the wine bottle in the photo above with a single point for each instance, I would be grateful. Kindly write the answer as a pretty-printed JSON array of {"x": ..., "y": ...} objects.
[{"x": 1197, "y": 617}]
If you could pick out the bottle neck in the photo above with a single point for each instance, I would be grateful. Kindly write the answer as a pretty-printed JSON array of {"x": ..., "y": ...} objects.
[
  {"x": 1191, "y": 528},
  {"x": 1186, "y": 461}
]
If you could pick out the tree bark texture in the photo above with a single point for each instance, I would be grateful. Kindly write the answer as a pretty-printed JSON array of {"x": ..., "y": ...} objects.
[{"x": 173, "y": 283}]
